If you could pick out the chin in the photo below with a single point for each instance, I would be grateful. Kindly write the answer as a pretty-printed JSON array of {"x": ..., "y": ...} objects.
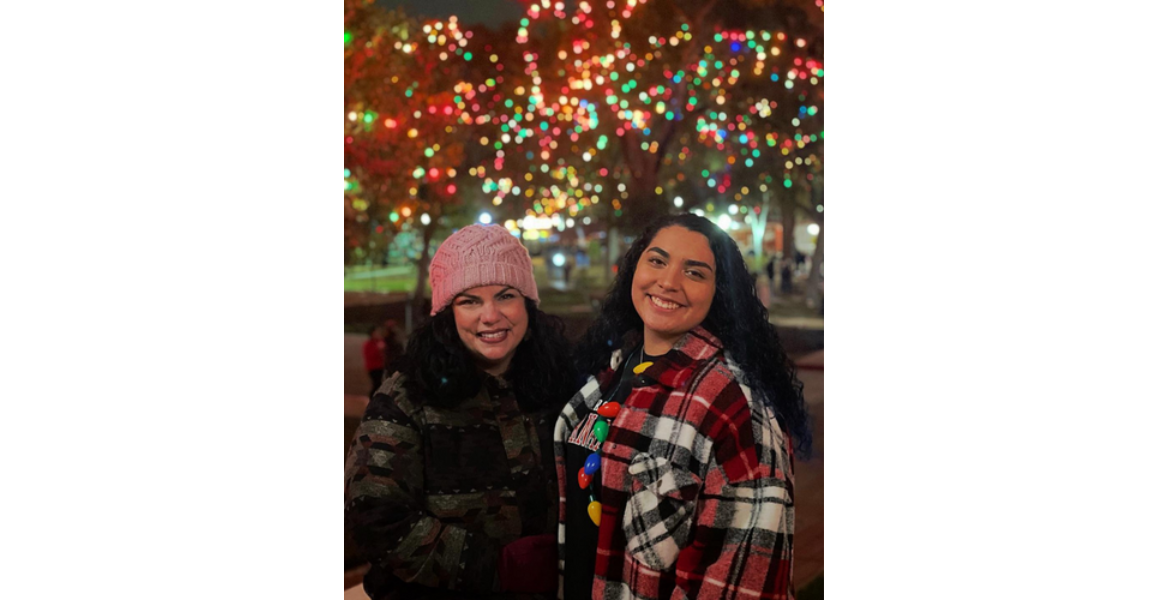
[
  {"x": 492, "y": 357},
  {"x": 669, "y": 332}
]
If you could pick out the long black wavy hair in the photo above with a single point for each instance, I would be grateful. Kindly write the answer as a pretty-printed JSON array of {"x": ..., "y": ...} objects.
[
  {"x": 736, "y": 317},
  {"x": 439, "y": 368}
]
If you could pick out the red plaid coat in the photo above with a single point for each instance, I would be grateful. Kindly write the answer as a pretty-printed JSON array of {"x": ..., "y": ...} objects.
[{"x": 697, "y": 483}]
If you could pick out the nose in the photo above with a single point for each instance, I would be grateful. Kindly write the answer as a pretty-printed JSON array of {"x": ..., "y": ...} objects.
[
  {"x": 669, "y": 279},
  {"x": 491, "y": 313}
]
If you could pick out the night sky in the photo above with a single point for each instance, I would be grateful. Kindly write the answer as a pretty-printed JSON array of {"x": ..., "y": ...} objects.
[{"x": 470, "y": 12}]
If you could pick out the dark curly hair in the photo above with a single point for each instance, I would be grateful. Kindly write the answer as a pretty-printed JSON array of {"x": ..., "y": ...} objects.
[
  {"x": 736, "y": 317},
  {"x": 439, "y": 369}
]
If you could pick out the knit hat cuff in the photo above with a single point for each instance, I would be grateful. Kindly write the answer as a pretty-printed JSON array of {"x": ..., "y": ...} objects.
[{"x": 476, "y": 275}]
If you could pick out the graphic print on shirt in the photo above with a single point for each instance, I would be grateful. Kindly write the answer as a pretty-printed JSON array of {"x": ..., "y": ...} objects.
[{"x": 583, "y": 434}]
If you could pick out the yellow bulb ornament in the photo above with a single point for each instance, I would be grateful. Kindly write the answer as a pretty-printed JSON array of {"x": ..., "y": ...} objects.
[{"x": 594, "y": 509}]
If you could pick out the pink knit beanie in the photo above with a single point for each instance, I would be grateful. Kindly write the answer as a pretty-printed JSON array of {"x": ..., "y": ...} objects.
[{"x": 479, "y": 255}]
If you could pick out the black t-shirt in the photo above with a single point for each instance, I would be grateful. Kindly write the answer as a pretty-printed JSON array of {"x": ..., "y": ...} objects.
[{"x": 581, "y": 532}]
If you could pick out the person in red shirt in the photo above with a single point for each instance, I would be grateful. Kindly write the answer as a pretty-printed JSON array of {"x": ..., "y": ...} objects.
[{"x": 372, "y": 356}]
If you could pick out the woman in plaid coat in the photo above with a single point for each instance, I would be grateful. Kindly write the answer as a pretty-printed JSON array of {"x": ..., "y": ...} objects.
[{"x": 675, "y": 462}]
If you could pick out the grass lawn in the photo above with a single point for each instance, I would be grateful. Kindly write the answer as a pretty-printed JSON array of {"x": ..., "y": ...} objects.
[
  {"x": 380, "y": 279},
  {"x": 402, "y": 279},
  {"x": 382, "y": 285},
  {"x": 589, "y": 284}
]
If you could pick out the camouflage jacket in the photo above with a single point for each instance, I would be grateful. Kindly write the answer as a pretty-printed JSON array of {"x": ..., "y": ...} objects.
[{"x": 432, "y": 494}]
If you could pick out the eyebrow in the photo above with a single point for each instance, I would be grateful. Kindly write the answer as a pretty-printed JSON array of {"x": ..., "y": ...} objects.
[
  {"x": 474, "y": 297},
  {"x": 687, "y": 262}
]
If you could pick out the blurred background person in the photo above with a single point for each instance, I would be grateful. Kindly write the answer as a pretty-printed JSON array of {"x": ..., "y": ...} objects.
[
  {"x": 392, "y": 342},
  {"x": 771, "y": 270},
  {"x": 764, "y": 289},
  {"x": 373, "y": 357},
  {"x": 787, "y": 277}
]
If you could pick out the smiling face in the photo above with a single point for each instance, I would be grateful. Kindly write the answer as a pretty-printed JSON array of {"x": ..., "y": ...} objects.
[
  {"x": 673, "y": 286},
  {"x": 492, "y": 321}
]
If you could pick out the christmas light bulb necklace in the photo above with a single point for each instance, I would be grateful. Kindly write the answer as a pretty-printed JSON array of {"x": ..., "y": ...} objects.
[{"x": 608, "y": 411}]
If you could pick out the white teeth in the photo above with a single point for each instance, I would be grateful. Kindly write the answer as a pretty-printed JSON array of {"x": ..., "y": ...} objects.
[
  {"x": 493, "y": 336},
  {"x": 663, "y": 304}
]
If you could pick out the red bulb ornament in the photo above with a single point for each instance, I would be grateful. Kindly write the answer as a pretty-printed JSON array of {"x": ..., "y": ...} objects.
[
  {"x": 609, "y": 410},
  {"x": 584, "y": 479}
]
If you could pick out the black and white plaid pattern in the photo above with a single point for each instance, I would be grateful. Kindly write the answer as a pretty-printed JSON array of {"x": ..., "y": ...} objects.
[{"x": 697, "y": 480}]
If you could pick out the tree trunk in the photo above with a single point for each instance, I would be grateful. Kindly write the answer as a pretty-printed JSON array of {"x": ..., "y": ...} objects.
[
  {"x": 814, "y": 294},
  {"x": 760, "y": 223},
  {"x": 418, "y": 307},
  {"x": 612, "y": 252},
  {"x": 788, "y": 222},
  {"x": 641, "y": 205}
]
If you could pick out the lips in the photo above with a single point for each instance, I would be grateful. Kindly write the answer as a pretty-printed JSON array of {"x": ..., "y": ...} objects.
[
  {"x": 663, "y": 304},
  {"x": 494, "y": 336}
]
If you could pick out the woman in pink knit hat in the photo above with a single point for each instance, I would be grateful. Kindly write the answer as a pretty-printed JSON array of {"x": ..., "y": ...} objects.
[{"x": 450, "y": 482}]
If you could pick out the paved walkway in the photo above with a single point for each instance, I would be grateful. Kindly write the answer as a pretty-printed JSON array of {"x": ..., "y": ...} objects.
[{"x": 808, "y": 480}]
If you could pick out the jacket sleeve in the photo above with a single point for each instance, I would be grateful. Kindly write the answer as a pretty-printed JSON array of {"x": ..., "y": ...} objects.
[
  {"x": 742, "y": 545},
  {"x": 385, "y": 512}
]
